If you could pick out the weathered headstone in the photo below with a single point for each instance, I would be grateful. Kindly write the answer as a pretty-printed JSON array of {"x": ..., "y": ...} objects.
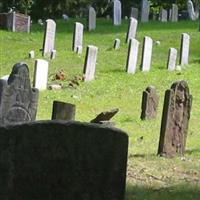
[
  {"x": 145, "y": 9},
  {"x": 62, "y": 160},
  {"x": 171, "y": 64},
  {"x": 41, "y": 74},
  {"x": 91, "y": 19},
  {"x": 31, "y": 54},
  {"x": 163, "y": 15},
  {"x": 150, "y": 102},
  {"x": 174, "y": 13},
  {"x": 117, "y": 13},
  {"x": 63, "y": 111},
  {"x": 78, "y": 37},
  {"x": 175, "y": 120},
  {"x": 147, "y": 53},
  {"x": 191, "y": 12},
  {"x": 49, "y": 37},
  {"x": 134, "y": 13},
  {"x": 132, "y": 56},
  {"x": 53, "y": 54},
  {"x": 90, "y": 63},
  {"x": 132, "y": 29},
  {"x": 185, "y": 49},
  {"x": 117, "y": 44},
  {"x": 18, "y": 101}
]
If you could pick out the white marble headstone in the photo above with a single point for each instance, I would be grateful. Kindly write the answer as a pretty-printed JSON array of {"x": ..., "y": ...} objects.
[
  {"x": 145, "y": 9},
  {"x": 132, "y": 29},
  {"x": 185, "y": 48},
  {"x": 171, "y": 64},
  {"x": 91, "y": 19},
  {"x": 117, "y": 12}
]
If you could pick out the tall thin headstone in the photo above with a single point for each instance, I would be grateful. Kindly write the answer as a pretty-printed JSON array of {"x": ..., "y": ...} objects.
[
  {"x": 78, "y": 37},
  {"x": 132, "y": 56},
  {"x": 18, "y": 101},
  {"x": 117, "y": 13},
  {"x": 191, "y": 12},
  {"x": 134, "y": 12},
  {"x": 175, "y": 120},
  {"x": 49, "y": 37},
  {"x": 172, "y": 56},
  {"x": 174, "y": 13},
  {"x": 132, "y": 29},
  {"x": 185, "y": 49},
  {"x": 163, "y": 15},
  {"x": 145, "y": 9},
  {"x": 90, "y": 63},
  {"x": 147, "y": 54},
  {"x": 91, "y": 20}
]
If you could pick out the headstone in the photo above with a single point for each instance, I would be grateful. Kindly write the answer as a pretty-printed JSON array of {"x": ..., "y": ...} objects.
[
  {"x": 31, "y": 54},
  {"x": 77, "y": 37},
  {"x": 132, "y": 56},
  {"x": 53, "y": 54},
  {"x": 145, "y": 9},
  {"x": 174, "y": 13},
  {"x": 18, "y": 101},
  {"x": 134, "y": 13},
  {"x": 63, "y": 160},
  {"x": 150, "y": 102},
  {"x": 163, "y": 15},
  {"x": 117, "y": 12},
  {"x": 175, "y": 120},
  {"x": 170, "y": 15},
  {"x": 171, "y": 64},
  {"x": 91, "y": 21},
  {"x": 41, "y": 74},
  {"x": 147, "y": 53},
  {"x": 90, "y": 63},
  {"x": 63, "y": 111},
  {"x": 191, "y": 12},
  {"x": 49, "y": 37},
  {"x": 117, "y": 44},
  {"x": 79, "y": 50},
  {"x": 132, "y": 29},
  {"x": 185, "y": 49}
]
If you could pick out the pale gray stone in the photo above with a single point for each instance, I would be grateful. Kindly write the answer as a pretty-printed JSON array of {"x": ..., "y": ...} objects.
[
  {"x": 91, "y": 21},
  {"x": 132, "y": 56},
  {"x": 31, "y": 54},
  {"x": 163, "y": 15},
  {"x": 53, "y": 54},
  {"x": 117, "y": 44},
  {"x": 171, "y": 64},
  {"x": 79, "y": 50},
  {"x": 132, "y": 29},
  {"x": 185, "y": 48},
  {"x": 191, "y": 12},
  {"x": 134, "y": 12},
  {"x": 117, "y": 13},
  {"x": 145, "y": 9},
  {"x": 174, "y": 13}
]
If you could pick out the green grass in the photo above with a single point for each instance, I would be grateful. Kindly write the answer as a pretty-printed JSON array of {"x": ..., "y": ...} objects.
[{"x": 148, "y": 176}]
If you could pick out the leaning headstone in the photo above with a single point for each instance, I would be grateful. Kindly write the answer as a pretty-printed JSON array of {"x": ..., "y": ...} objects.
[
  {"x": 63, "y": 111},
  {"x": 63, "y": 161},
  {"x": 78, "y": 37},
  {"x": 91, "y": 19},
  {"x": 49, "y": 37},
  {"x": 134, "y": 13},
  {"x": 185, "y": 49},
  {"x": 145, "y": 9},
  {"x": 191, "y": 12},
  {"x": 150, "y": 102},
  {"x": 132, "y": 29},
  {"x": 18, "y": 101},
  {"x": 117, "y": 13},
  {"x": 132, "y": 56},
  {"x": 90, "y": 63},
  {"x": 172, "y": 57},
  {"x": 147, "y": 53},
  {"x": 175, "y": 120},
  {"x": 41, "y": 74},
  {"x": 174, "y": 13},
  {"x": 117, "y": 44},
  {"x": 53, "y": 54},
  {"x": 31, "y": 54},
  {"x": 163, "y": 15}
]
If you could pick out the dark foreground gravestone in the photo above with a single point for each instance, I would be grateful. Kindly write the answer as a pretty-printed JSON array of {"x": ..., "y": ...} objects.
[
  {"x": 18, "y": 101},
  {"x": 175, "y": 120},
  {"x": 62, "y": 160}
]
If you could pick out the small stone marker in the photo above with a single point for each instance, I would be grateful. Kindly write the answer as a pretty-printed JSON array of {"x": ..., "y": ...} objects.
[
  {"x": 117, "y": 44},
  {"x": 117, "y": 12},
  {"x": 174, "y": 13},
  {"x": 41, "y": 74},
  {"x": 171, "y": 64},
  {"x": 134, "y": 13},
  {"x": 132, "y": 56},
  {"x": 78, "y": 37},
  {"x": 145, "y": 9},
  {"x": 132, "y": 29},
  {"x": 175, "y": 120},
  {"x": 150, "y": 102},
  {"x": 191, "y": 12},
  {"x": 18, "y": 101},
  {"x": 31, "y": 54},
  {"x": 146, "y": 54},
  {"x": 49, "y": 37},
  {"x": 63, "y": 161},
  {"x": 185, "y": 49},
  {"x": 90, "y": 63},
  {"x": 63, "y": 111},
  {"x": 53, "y": 54},
  {"x": 91, "y": 20},
  {"x": 163, "y": 15}
]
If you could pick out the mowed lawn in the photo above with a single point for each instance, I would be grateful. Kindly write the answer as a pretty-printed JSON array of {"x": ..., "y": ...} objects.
[{"x": 148, "y": 176}]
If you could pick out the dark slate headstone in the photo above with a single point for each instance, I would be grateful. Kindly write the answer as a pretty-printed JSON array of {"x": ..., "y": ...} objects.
[
  {"x": 62, "y": 161},
  {"x": 150, "y": 102},
  {"x": 63, "y": 111},
  {"x": 175, "y": 120},
  {"x": 18, "y": 101}
]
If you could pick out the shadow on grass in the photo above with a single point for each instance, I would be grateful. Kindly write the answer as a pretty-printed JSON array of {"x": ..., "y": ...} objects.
[{"x": 179, "y": 192}]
